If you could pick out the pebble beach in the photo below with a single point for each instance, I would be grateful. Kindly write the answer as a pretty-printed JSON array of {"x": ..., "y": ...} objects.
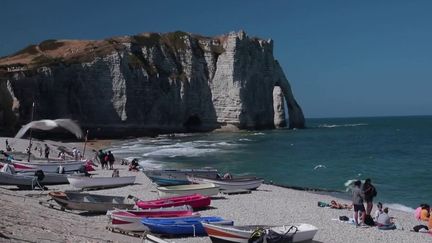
[{"x": 23, "y": 219}]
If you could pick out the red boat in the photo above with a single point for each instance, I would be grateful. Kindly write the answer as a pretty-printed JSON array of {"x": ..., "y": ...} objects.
[{"x": 194, "y": 200}]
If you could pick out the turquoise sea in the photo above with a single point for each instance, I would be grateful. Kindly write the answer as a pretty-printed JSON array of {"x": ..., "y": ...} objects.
[{"x": 395, "y": 152}]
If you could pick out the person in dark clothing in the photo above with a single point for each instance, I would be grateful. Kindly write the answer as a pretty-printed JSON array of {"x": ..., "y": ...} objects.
[
  {"x": 111, "y": 160},
  {"x": 369, "y": 192},
  {"x": 8, "y": 147},
  {"x": 101, "y": 156},
  {"x": 134, "y": 165},
  {"x": 47, "y": 151}
]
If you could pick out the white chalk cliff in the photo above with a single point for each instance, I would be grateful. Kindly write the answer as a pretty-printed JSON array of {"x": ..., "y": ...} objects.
[{"x": 151, "y": 82}]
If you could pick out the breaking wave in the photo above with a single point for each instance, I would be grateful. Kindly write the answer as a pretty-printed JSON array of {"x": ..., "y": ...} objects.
[
  {"x": 341, "y": 125},
  {"x": 400, "y": 207},
  {"x": 180, "y": 152},
  {"x": 150, "y": 164}
]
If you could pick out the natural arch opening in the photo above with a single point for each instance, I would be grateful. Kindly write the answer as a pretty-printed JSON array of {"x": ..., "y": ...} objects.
[{"x": 193, "y": 122}]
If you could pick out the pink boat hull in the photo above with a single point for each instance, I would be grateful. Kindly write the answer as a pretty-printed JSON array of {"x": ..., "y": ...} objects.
[{"x": 194, "y": 200}]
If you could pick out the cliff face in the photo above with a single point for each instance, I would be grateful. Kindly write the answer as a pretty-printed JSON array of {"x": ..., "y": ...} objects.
[{"x": 150, "y": 82}]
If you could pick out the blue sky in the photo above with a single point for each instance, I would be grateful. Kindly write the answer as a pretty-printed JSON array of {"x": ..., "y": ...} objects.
[{"x": 343, "y": 58}]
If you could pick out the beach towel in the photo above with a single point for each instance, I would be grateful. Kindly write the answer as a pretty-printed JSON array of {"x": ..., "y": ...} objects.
[
  {"x": 417, "y": 213},
  {"x": 387, "y": 227},
  {"x": 323, "y": 204}
]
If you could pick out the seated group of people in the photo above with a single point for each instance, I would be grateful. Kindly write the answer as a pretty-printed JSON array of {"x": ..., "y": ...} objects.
[{"x": 381, "y": 217}]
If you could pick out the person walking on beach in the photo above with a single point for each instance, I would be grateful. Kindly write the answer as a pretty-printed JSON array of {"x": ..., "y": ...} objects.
[
  {"x": 369, "y": 193},
  {"x": 111, "y": 160},
  {"x": 47, "y": 151},
  {"x": 101, "y": 156},
  {"x": 75, "y": 153},
  {"x": 357, "y": 199},
  {"x": 8, "y": 147}
]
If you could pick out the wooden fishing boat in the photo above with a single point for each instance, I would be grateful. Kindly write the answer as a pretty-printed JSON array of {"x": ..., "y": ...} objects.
[
  {"x": 90, "y": 202},
  {"x": 178, "y": 177},
  {"x": 242, "y": 234},
  {"x": 208, "y": 189},
  {"x": 126, "y": 221},
  {"x": 182, "y": 226},
  {"x": 193, "y": 200},
  {"x": 236, "y": 183},
  {"x": 100, "y": 182}
]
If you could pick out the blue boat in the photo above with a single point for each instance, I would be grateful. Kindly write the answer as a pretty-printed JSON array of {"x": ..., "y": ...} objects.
[{"x": 182, "y": 226}]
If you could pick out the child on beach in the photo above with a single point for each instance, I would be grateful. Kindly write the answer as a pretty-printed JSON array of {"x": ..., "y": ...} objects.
[
  {"x": 384, "y": 219},
  {"x": 359, "y": 210},
  {"x": 379, "y": 211}
]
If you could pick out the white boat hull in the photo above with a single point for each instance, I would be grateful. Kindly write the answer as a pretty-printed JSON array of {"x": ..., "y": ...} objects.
[
  {"x": 230, "y": 184},
  {"x": 178, "y": 177},
  {"x": 52, "y": 167},
  {"x": 29, "y": 180},
  {"x": 208, "y": 189},
  {"x": 242, "y": 234},
  {"x": 100, "y": 182}
]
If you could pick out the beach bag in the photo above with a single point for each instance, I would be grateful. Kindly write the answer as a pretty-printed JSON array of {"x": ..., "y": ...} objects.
[
  {"x": 418, "y": 228},
  {"x": 343, "y": 218},
  {"x": 369, "y": 220}
]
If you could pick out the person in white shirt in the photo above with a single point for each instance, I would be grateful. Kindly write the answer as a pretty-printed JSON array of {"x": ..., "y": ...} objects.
[
  {"x": 379, "y": 211},
  {"x": 384, "y": 219}
]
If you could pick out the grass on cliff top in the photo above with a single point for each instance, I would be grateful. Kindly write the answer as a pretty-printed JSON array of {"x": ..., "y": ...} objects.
[
  {"x": 50, "y": 45},
  {"x": 31, "y": 50}
]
